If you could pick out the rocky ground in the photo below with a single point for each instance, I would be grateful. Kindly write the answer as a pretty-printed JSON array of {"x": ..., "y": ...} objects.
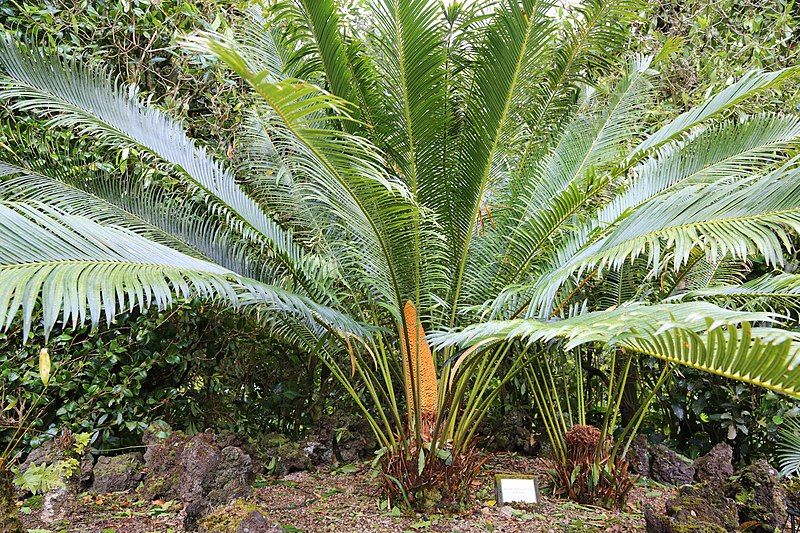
[
  {"x": 217, "y": 483},
  {"x": 345, "y": 499}
]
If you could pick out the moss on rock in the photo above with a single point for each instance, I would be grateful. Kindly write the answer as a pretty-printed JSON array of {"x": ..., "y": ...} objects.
[{"x": 228, "y": 518}]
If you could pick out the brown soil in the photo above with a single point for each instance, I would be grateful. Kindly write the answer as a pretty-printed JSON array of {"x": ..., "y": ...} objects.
[{"x": 347, "y": 500}]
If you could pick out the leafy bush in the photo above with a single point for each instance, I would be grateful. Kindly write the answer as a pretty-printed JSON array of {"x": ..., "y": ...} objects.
[{"x": 194, "y": 366}]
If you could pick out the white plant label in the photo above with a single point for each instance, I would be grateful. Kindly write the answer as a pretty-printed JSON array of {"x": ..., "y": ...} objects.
[{"x": 512, "y": 490}]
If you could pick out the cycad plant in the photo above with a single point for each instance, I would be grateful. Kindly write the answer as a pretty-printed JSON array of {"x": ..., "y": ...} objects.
[{"x": 419, "y": 165}]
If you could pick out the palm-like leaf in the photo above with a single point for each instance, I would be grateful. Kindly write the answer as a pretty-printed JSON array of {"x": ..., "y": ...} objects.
[
  {"x": 778, "y": 293},
  {"x": 790, "y": 447},
  {"x": 81, "y": 268},
  {"x": 72, "y": 95},
  {"x": 697, "y": 335},
  {"x": 517, "y": 41},
  {"x": 740, "y": 219},
  {"x": 752, "y": 83},
  {"x": 346, "y": 174},
  {"x": 570, "y": 177}
]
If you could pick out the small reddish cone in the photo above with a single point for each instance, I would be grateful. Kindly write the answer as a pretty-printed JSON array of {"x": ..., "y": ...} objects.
[{"x": 419, "y": 367}]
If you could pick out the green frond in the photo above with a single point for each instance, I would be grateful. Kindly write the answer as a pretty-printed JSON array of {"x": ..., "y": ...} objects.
[
  {"x": 169, "y": 219},
  {"x": 703, "y": 271},
  {"x": 789, "y": 448},
  {"x": 345, "y": 174},
  {"x": 79, "y": 269},
  {"x": 571, "y": 178},
  {"x": 517, "y": 42},
  {"x": 314, "y": 31},
  {"x": 73, "y": 95},
  {"x": 748, "y": 86},
  {"x": 765, "y": 357},
  {"x": 695, "y": 334},
  {"x": 611, "y": 326},
  {"x": 410, "y": 36},
  {"x": 777, "y": 293},
  {"x": 262, "y": 46},
  {"x": 264, "y": 166},
  {"x": 733, "y": 149},
  {"x": 740, "y": 218},
  {"x": 618, "y": 287},
  {"x": 727, "y": 152},
  {"x": 18, "y": 184},
  {"x": 743, "y": 218},
  {"x": 594, "y": 35}
]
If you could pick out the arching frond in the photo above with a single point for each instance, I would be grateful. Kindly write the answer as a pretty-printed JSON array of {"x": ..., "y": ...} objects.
[
  {"x": 570, "y": 178},
  {"x": 594, "y": 35},
  {"x": 517, "y": 43},
  {"x": 18, "y": 184},
  {"x": 740, "y": 219},
  {"x": 698, "y": 335},
  {"x": 343, "y": 173},
  {"x": 261, "y": 45},
  {"x": 611, "y": 326},
  {"x": 168, "y": 219},
  {"x": 749, "y": 85},
  {"x": 778, "y": 293},
  {"x": 73, "y": 95},
  {"x": 313, "y": 29},
  {"x": 731, "y": 150},
  {"x": 80, "y": 269}
]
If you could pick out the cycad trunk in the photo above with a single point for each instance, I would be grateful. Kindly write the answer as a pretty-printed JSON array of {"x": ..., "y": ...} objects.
[
  {"x": 420, "y": 373},
  {"x": 9, "y": 517}
]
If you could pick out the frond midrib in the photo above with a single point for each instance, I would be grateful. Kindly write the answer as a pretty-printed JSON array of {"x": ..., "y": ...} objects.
[{"x": 160, "y": 266}]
